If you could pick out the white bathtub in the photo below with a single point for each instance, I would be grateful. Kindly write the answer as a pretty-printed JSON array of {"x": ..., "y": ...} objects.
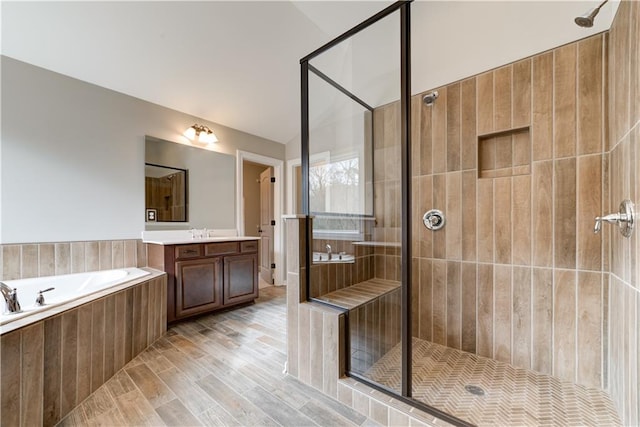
[{"x": 69, "y": 288}]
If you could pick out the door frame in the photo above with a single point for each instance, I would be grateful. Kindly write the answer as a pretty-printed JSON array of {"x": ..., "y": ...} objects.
[{"x": 278, "y": 206}]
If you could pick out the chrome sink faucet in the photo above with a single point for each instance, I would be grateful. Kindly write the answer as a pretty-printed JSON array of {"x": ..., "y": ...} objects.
[
  {"x": 11, "y": 298},
  {"x": 329, "y": 251}
]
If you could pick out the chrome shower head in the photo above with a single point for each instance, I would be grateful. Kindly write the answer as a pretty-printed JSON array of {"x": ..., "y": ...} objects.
[
  {"x": 586, "y": 20},
  {"x": 430, "y": 98}
]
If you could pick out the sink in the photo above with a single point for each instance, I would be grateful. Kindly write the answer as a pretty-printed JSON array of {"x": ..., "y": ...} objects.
[{"x": 322, "y": 257}]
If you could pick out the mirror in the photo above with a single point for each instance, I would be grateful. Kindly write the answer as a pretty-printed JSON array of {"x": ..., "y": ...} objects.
[
  {"x": 165, "y": 192},
  {"x": 209, "y": 197}
]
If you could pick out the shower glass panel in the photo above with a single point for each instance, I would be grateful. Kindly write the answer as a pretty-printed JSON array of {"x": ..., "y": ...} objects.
[{"x": 354, "y": 192}]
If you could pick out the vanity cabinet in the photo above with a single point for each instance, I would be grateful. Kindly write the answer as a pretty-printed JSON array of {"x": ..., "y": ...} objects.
[{"x": 204, "y": 277}]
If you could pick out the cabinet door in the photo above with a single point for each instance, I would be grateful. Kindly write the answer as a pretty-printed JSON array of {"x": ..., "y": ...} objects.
[
  {"x": 198, "y": 286},
  {"x": 240, "y": 278}
]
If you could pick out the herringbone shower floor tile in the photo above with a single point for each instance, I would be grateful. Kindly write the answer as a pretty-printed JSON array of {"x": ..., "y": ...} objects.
[{"x": 512, "y": 396}]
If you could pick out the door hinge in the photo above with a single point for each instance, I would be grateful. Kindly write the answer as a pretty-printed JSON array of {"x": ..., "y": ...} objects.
[
  {"x": 273, "y": 265},
  {"x": 273, "y": 179},
  {"x": 273, "y": 222}
]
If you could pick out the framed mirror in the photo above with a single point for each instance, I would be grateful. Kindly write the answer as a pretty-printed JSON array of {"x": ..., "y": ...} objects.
[{"x": 166, "y": 193}]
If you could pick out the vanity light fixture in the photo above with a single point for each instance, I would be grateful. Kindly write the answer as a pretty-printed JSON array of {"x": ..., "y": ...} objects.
[{"x": 201, "y": 133}]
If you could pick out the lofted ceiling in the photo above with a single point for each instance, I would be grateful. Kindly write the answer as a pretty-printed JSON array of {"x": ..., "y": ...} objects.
[{"x": 236, "y": 63}]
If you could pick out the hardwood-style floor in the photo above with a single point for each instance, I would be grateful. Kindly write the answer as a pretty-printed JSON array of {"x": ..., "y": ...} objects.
[{"x": 223, "y": 369}]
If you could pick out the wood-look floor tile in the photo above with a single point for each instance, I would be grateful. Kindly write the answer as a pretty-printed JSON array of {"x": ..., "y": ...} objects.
[
  {"x": 150, "y": 385},
  {"x": 174, "y": 413}
]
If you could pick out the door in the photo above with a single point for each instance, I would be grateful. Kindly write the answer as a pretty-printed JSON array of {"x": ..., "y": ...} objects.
[{"x": 267, "y": 223}]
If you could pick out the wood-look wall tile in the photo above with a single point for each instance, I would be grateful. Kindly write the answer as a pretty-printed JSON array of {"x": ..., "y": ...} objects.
[
  {"x": 522, "y": 93},
  {"x": 11, "y": 377},
  {"x": 439, "y": 304},
  {"x": 416, "y": 114},
  {"x": 46, "y": 259},
  {"x": 485, "y": 220},
  {"x": 144, "y": 318},
  {"x": 589, "y": 203},
  {"x": 426, "y": 202},
  {"x": 129, "y": 325},
  {"x": 542, "y": 211},
  {"x": 130, "y": 248},
  {"x": 138, "y": 335},
  {"x": 97, "y": 344},
  {"x": 485, "y": 310},
  {"x": 32, "y": 377},
  {"x": 542, "y": 320},
  {"x": 330, "y": 365},
  {"x": 487, "y": 148},
  {"x": 542, "y": 104},
  {"x": 11, "y": 262},
  {"x": 453, "y": 128},
  {"x": 85, "y": 319},
  {"x": 619, "y": 75},
  {"x": 92, "y": 256},
  {"x": 78, "y": 257},
  {"x": 565, "y": 100},
  {"x": 415, "y": 297},
  {"x": 468, "y": 219},
  {"x": 117, "y": 254},
  {"x": 29, "y": 261},
  {"x": 426, "y": 139},
  {"x": 454, "y": 305},
  {"x": 521, "y": 221},
  {"x": 315, "y": 347},
  {"x": 522, "y": 317},
  {"x": 590, "y": 101},
  {"x": 141, "y": 254},
  {"x": 502, "y": 315},
  {"x": 521, "y": 153},
  {"x": 468, "y": 135},
  {"x": 109, "y": 335},
  {"x": 304, "y": 359},
  {"x": 484, "y": 83},
  {"x": 635, "y": 64},
  {"x": 454, "y": 214},
  {"x": 439, "y": 133},
  {"x": 469, "y": 294},
  {"x": 69, "y": 362},
  {"x": 52, "y": 370},
  {"x": 502, "y": 93},
  {"x": 106, "y": 255},
  {"x": 425, "y": 312},
  {"x": 564, "y": 321},
  {"x": 63, "y": 258},
  {"x": 589, "y": 363},
  {"x": 502, "y": 220},
  {"x": 565, "y": 213},
  {"x": 439, "y": 202}
]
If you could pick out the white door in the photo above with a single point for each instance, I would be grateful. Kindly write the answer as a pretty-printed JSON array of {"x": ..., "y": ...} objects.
[{"x": 266, "y": 225}]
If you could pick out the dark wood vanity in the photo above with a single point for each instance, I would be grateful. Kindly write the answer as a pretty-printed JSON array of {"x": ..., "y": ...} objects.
[{"x": 207, "y": 276}]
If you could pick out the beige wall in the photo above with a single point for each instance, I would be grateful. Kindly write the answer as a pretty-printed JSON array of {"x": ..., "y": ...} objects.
[
  {"x": 624, "y": 143},
  {"x": 72, "y": 161}
]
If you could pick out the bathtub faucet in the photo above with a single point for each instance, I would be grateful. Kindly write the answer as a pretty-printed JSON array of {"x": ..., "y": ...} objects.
[{"x": 11, "y": 299}]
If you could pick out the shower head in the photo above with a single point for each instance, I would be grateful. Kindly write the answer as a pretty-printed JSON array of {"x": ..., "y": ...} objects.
[
  {"x": 430, "y": 98},
  {"x": 586, "y": 20}
]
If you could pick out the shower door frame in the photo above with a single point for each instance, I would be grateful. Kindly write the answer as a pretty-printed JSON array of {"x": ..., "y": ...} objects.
[{"x": 405, "y": 177}]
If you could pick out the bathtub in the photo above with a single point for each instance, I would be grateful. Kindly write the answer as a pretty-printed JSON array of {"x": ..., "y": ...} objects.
[{"x": 69, "y": 291}]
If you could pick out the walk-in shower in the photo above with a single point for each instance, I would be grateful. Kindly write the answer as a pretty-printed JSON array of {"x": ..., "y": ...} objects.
[{"x": 471, "y": 280}]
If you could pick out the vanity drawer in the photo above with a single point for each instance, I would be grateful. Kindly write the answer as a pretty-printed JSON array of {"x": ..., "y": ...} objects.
[
  {"x": 250, "y": 246},
  {"x": 188, "y": 251},
  {"x": 220, "y": 248}
]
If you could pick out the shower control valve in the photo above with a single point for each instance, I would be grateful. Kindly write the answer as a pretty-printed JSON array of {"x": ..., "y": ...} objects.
[{"x": 433, "y": 219}]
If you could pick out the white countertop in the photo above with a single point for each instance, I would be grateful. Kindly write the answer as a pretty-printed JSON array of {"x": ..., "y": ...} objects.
[
  {"x": 182, "y": 237},
  {"x": 183, "y": 241}
]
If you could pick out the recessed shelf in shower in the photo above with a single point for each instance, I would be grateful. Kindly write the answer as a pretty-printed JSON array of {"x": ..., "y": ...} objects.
[{"x": 504, "y": 153}]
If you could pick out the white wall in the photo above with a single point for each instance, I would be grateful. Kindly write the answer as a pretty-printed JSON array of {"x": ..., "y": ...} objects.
[{"x": 72, "y": 165}]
